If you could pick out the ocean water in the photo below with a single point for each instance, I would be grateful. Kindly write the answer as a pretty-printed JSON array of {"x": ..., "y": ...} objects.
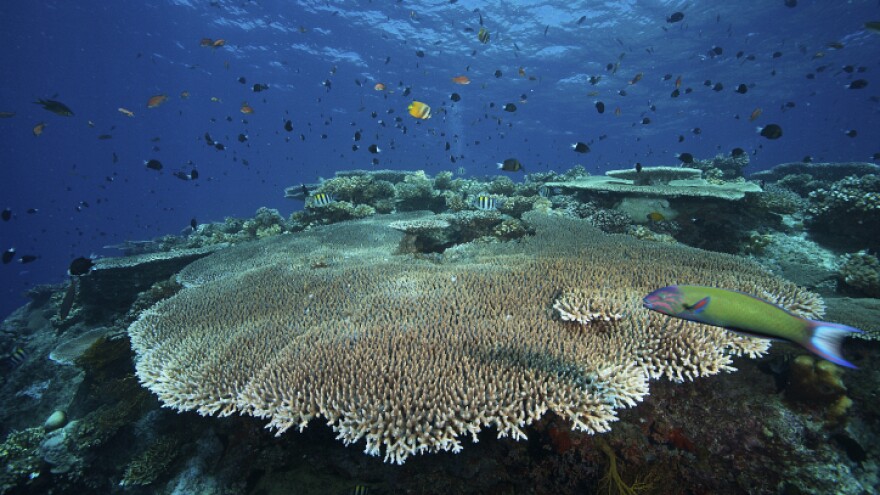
[
  {"x": 96, "y": 57},
  {"x": 264, "y": 95}
]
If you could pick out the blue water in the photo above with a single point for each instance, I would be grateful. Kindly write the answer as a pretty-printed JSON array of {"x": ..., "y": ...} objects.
[{"x": 96, "y": 57}]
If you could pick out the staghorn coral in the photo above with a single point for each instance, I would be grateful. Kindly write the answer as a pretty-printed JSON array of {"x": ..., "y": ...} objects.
[
  {"x": 585, "y": 307},
  {"x": 411, "y": 357}
]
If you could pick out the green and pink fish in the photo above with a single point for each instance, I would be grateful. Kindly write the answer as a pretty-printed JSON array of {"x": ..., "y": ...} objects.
[{"x": 750, "y": 315}]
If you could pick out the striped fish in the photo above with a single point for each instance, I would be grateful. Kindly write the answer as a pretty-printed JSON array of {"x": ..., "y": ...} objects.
[
  {"x": 18, "y": 357},
  {"x": 487, "y": 203},
  {"x": 322, "y": 199}
]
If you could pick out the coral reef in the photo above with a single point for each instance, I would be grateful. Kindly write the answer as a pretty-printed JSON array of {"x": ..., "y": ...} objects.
[
  {"x": 19, "y": 456},
  {"x": 819, "y": 383},
  {"x": 584, "y": 307},
  {"x": 848, "y": 212},
  {"x": 196, "y": 358},
  {"x": 722, "y": 167},
  {"x": 151, "y": 463},
  {"x": 459, "y": 298},
  {"x": 828, "y": 172},
  {"x": 861, "y": 271}
]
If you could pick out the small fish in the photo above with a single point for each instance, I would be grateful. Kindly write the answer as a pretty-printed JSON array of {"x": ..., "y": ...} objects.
[
  {"x": 461, "y": 80},
  {"x": 218, "y": 43},
  {"x": 18, "y": 357},
  {"x": 635, "y": 79},
  {"x": 80, "y": 266},
  {"x": 260, "y": 87},
  {"x": 685, "y": 157},
  {"x": 193, "y": 223},
  {"x": 360, "y": 489},
  {"x": 486, "y": 203},
  {"x": 6, "y": 215},
  {"x": 675, "y": 93},
  {"x": 638, "y": 167},
  {"x": 717, "y": 87},
  {"x": 545, "y": 192},
  {"x": 755, "y": 114},
  {"x": 646, "y": 120},
  {"x": 242, "y": 138},
  {"x": 374, "y": 149},
  {"x": 857, "y": 84},
  {"x": 246, "y": 109},
  {"x": 600, "y": 107},
  {"x": 483, "y": 35},
  {"x": 419, "y": 110},
  {"x": 807, "y": 159},
  {"x": 7, "y": 115},
  {"x": 55, "y": 107},
  {"x": 580, "y": 147},
  {"x": 675, "y": 17},
  {"x": 153, "y": 164},
  {"x": 126, "y": 112},
  {"x": 873, "y": 26},
  {"x": 655, "y": 216},
  {"x": 104, "y": 137},
  {"x": 27, "y": 258},
  {"x": 8, "y": 255},
  {"x": 851, "y": 133},
  {"x": 737, "y": 152},
  {"x": 678, "y": 82},
  {"x": 321, "y": 199},
  {"x": 288, "y": 126},
  {"x": 38, "y": 129},
  {"x": 509, "y": 107},
  {"x": 510, "y": 165},
  {"x": 750, "y": 315},
  {"x": 455, "y": 97},
  {"x": 379, "y": 87},
  {"x": 770, "y": 131},
  {"x": 157, "y": 100},
  {"x": 742, "y": 89}
]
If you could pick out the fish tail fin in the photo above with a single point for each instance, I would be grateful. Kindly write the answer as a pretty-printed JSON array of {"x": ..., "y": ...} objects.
[{"x": 824, "y": 339}]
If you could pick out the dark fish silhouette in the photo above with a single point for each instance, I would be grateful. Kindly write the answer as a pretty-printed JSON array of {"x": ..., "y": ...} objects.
[{"x": 55, "y": 107}]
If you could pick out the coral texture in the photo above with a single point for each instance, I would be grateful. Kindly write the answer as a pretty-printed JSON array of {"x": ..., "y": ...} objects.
[{"x": 411, "y": 355}]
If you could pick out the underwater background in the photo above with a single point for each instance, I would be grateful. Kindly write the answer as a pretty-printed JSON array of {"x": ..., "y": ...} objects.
[{"x": 236, "y": 161}]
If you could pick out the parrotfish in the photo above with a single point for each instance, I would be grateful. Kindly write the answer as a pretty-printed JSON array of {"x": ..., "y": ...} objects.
[{"x": 750, "y": 315}]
